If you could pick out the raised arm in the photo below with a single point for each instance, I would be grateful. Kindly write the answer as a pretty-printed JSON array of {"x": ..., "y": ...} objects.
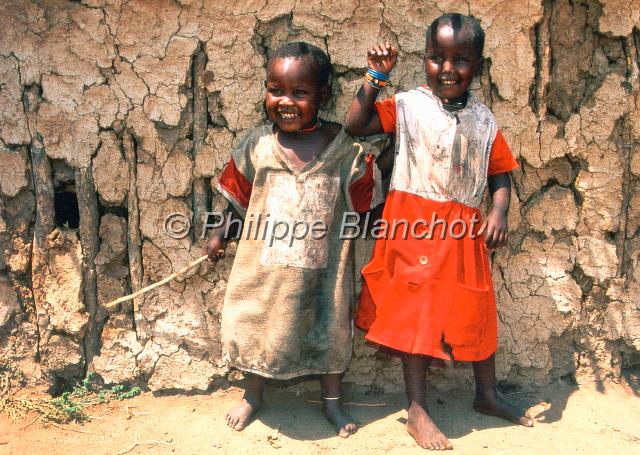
[{"x": 362, "y": 118}]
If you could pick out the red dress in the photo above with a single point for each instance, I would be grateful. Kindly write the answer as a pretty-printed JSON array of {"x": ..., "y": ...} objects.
[{"x": 433, "y": 294}]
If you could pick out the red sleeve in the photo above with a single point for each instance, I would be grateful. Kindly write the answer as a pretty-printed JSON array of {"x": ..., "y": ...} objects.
[
  {"x": 500, "y": 159},
  {"x": 235, "y": 186},
  {"x": 387, "y": 114},
  {"x": 361, "y": 190}
]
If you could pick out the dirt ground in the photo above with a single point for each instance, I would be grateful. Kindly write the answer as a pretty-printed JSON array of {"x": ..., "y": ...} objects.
[{"x": 590, "y": 419}]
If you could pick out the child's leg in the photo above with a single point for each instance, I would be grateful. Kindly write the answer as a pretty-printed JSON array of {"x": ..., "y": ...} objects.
[
  {"x": 240, "y": 415},
  {"x": 419, "y": 424},
  {"x": 332, "y": 405},
  {"x": 487, "y": 400}
]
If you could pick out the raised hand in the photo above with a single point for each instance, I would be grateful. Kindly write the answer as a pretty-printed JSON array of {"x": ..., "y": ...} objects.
[{"x": 382, "y": 57}]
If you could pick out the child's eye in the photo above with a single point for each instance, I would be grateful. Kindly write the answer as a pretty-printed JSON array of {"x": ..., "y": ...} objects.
[
  {"x": 274, "y": 90},
  {"x": 462, "y": 60},
  {"x": 300, "y": 92}
]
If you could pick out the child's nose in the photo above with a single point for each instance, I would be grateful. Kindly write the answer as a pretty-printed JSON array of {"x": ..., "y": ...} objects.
[
  {"x": 286, "y": 100},
  {"x": 447, "y": 66}
]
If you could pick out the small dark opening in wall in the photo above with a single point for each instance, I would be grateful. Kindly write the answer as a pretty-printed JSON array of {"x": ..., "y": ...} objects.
[
  {"x": 66, "y": 207},
  {"x": 65, "y": 201}
]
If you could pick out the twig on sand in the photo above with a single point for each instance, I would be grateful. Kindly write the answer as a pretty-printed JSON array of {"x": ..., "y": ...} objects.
[
  {"x": 68, "y": 429},
  {"x": 155, "y": 285},
  {"x": 143, "y": 443},
  {"x": 623, "y": 435},
  {"x": 353, "y": 403},
  {"x": 626, "y": 437},
  {"x": 29, "y": 424}
]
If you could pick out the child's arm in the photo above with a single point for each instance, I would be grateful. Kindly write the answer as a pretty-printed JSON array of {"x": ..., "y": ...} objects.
[
  {"x": 216, "y": 245},
  {"x": 495, "y": 224},
  {"x": 385, "y": 160},
  {"x": 362, "y": 118}
]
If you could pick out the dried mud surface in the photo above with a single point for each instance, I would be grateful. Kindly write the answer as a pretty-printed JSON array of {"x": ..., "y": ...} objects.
[
  {"x": 585, "y": 420},
  {"x": 133, "y": 107}
]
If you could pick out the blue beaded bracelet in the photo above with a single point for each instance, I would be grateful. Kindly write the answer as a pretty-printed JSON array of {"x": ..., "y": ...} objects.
[
  {"x": 375, "y": 83},
  {"x": 378, "y": 75}
]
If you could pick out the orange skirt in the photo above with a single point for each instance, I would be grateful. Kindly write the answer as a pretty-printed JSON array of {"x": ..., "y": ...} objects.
[{"x": 428, "y": 289}]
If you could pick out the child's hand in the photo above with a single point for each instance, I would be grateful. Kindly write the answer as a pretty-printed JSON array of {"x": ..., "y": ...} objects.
[
  {"x": 495, "y": 229},
  {"x": 215, "y": 248},
  {"x": 382, "y": 57}
]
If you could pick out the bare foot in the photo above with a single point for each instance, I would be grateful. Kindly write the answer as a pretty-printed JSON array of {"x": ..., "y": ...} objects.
[
  {"x": 498, "y": 407},
  {"x": 240, "y": 415},
  {"x": 424, "y": 431},
  {"x": 337, "y": 416}
]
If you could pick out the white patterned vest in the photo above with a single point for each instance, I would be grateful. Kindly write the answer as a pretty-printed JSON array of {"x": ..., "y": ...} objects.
[{"x": 441, "y": 155}]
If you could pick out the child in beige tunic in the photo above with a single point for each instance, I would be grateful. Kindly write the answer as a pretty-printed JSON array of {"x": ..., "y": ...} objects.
[{"x": 288, "y": 308}]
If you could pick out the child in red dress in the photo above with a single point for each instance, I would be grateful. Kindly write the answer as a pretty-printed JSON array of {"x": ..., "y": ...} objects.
[{"x": 429, "y": 294}]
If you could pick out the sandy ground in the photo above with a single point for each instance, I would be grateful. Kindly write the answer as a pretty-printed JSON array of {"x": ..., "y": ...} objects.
[{"x": 591, "y": 419}]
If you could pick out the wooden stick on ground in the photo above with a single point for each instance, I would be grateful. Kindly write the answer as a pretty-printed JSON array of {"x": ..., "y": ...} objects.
[
  {"x": 29, "y": 424},
  {"x": 143, "y": 443},
  {"x": 68, "y": 429},
  {"x": 353, "y": 403},
  {"x": 155, "y": 285}
]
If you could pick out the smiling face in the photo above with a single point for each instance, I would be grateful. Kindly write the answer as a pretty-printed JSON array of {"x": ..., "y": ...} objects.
[
  {"x": 294, "y": 96},
  {"x": 451, "y": 62}
]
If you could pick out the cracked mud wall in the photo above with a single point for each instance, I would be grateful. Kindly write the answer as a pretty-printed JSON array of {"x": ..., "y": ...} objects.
[{"x": 131, "y": 108}]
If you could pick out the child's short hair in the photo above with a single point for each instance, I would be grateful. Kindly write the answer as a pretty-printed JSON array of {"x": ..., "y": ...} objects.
[
  {"x": 299, "y": 49},
  {"x": 458, "y": 22}
]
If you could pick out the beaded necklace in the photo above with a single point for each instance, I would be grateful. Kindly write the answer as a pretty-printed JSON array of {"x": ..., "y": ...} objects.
[
  {"x": 456, "y": 105},
  {"x": 312, "y": 128}
]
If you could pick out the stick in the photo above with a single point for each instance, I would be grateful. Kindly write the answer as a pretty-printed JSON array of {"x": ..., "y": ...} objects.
[
  {"x": 143, "y": 443},
  {"x": 89, "y": 225},
  {"x": 134, "y": 241},
  {"x": 29, "y": 424},
  {"x": 155, "y": 285},
  {"x": 353, "y": 403},
  {"x": 200, "y": 115},
  {"x": 68, "y": 429},
  {"x": 43, "y": 184}
]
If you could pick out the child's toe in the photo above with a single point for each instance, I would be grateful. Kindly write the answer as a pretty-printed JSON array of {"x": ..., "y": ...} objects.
[
  {"x": 526, "y": 421},
  {"x": 346, "y": 431}
]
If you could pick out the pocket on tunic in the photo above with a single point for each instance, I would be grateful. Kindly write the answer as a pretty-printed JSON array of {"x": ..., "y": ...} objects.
[
  {"x": 412, "y": 267},
  {"x": 466, "y": 322}
]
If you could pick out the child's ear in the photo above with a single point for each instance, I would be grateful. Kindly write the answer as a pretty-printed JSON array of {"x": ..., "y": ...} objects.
[
  {"x": 479, "y": 67},
  {"x": 325, "y": 95}
]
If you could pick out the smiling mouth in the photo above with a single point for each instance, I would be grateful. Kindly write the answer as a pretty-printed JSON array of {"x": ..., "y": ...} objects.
[
  {"x": 447, "y": 82},
  {"x": 287, "y": 115}
]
